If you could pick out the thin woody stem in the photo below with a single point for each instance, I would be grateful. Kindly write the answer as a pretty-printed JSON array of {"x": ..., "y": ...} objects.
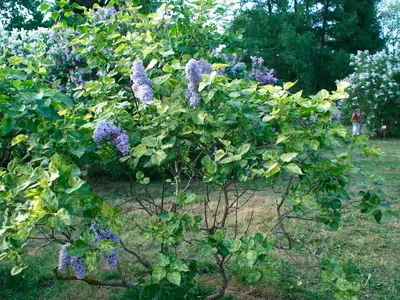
[{"x": 94, "y": 281}]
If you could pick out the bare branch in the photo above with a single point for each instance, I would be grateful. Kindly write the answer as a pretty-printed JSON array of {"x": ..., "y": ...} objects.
[
  {"x": 143, "y": 261},
  {"x": 94, "y": 281},
  {"x": 251, "y": 219}
]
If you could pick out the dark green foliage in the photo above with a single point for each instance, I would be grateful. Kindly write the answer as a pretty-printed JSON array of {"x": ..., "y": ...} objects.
[
  {"x": 22, "y": 14},
  {"x": 88, "y": 3},
  {"x": 308, "y": 41}
]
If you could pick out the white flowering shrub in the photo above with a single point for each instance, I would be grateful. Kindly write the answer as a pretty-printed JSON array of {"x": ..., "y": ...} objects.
[
  {"x": 375, "y": 90},
  {"x": 20, "y": 42}
]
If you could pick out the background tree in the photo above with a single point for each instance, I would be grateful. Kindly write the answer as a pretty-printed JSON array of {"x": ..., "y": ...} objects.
[
  {"x": 21, "y": 14},
  {"x": 308, "y": 41},
  {"x": 389, "y": 16}
]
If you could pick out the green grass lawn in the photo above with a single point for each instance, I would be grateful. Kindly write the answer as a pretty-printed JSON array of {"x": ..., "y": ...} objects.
[{"x": 373, "y": 247}]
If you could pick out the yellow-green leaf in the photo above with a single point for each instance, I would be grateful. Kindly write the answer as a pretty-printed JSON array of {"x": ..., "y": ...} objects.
[
  {"x": 18, "y": 139},
  {"x": 287, "y": 157},
  {"x": 293, "y": 169},
  {"x": 219, "y": 154},
  {"x": 288, "y": 85},
  {"x": 272, "y": 170}
]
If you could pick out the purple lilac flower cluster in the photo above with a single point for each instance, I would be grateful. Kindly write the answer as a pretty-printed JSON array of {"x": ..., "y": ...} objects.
[
  {"x": 247, "y": 170},
  {"x": 193, "y": 76},
  {"x": 308, "y": 121},
  {"x": 76, "y": 77},
  {"x": 100, "y": 234},
  {"x": 336, "y": 117},
  {"x": 79, "y": 266},
  {"x": 77, "y": 262},
  {"x": 121, "y": 141},
  {"x": 60, "y": 51},
  {"x": 194, "y": 73},
  {"x": 141, "y": 84},
  {"x": 238, "y": 69},
  {"x": 205, "y": 66},
  {"x": 261, "y": 73},
  {"x": 117, "y": 136},
  {"x": 64, "y": 257},
  {"x": 103, "y": 13}
]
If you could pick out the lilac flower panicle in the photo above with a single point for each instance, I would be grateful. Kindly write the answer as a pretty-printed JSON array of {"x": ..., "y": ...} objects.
[
  {"x": 104, "y": 130},
  {"x": 194, "y": 100},
  {"x": 114, "y": 238},
  {"x": 238, "y": 68},
  {"x": 79, "y": 266},
  {"x": 117, "y": 136},
  {"x": 193, "y": 71},
  {"x": 112, "y": 259},
  {"x": 336, "y": 117},
  {"x": 121, "y": 141},
  {"x": 138, "y": 70},
  {"x": 235, "y": 57},
  {"x": 95, "y": 228},
  {"x": 140, "y": 81},
  {"x": 205, "y": 66},
  {"x": 77, "y": 262},
  {"x": 313, "y": 118},
  {"x": 254, "y": 61},
  {"x": 64, "y": 257},
  {"x": 141, "y": 84},
  {"x": 261, "y": 73},
  {"x": 144, "y": 93},
  {"x": 103, "y": 13},
  {"x": 105, "y": 233},
  {"x": 225, "y": 57}
]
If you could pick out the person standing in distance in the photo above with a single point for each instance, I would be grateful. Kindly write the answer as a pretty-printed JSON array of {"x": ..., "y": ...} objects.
[{"x": 356, "y": 121}]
